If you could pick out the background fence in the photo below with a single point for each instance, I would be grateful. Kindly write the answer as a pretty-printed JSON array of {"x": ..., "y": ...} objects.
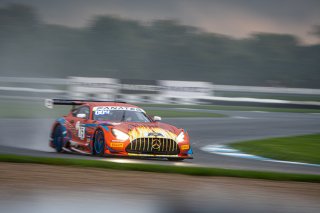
[{"x": 155, "y": 91}]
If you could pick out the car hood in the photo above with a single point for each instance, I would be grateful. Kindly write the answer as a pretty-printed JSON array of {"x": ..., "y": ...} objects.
[{"x": 141, "y": 130}]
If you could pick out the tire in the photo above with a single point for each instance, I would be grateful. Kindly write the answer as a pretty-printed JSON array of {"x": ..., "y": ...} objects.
[
  {"x": 58, "y": 138},
  {"x": 99, "y": 143},
  {"x": 175, "y": 159}
]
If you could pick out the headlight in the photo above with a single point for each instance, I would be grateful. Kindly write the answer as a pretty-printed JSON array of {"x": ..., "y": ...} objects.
[
  {"x": 120, "y": 135},
  {"x": 180, "y": 137}
]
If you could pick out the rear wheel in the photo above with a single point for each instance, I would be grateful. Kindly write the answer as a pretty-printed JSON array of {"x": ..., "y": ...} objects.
[
  {"x": 58, "y": 138},
  {"x": 99, "y": 143}
]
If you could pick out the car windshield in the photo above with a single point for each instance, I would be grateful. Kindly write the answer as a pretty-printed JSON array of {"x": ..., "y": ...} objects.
[{"x": 120, "y": 114}]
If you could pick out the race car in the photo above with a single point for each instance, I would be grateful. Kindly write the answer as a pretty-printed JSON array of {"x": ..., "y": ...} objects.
[{"x": 104, "y": 128}]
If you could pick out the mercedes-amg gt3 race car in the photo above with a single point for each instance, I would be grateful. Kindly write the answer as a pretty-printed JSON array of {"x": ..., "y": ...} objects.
[{"x": 116, "y": 128}]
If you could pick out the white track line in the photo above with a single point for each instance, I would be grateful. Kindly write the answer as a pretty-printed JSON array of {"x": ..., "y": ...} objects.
[{"x": 227, "y": 151}]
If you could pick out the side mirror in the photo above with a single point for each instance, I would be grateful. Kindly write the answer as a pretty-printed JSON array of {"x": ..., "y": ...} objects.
[
  {"x": 81, "y": 115},
  {"x": 156, "y": 118}
]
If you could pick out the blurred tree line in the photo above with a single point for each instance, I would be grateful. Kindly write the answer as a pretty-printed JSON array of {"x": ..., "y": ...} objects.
[{"x": 164, "y": 49}]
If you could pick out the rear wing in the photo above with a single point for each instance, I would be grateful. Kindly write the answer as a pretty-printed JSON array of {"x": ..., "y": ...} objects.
[{"x": 50, "y": 102}]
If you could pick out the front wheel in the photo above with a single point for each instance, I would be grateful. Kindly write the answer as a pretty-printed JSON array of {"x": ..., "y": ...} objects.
[
  {"x": 99, "y": 143},
  {"x": 58, "y": 138}
]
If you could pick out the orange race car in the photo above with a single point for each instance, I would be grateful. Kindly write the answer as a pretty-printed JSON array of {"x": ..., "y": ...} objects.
[{"x": 116, "y": 128}]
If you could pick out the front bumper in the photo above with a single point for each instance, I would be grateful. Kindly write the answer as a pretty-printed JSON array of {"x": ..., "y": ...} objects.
[{"x": 160, "y": 156}]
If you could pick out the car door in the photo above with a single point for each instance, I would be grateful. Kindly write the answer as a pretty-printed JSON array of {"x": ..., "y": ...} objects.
[{"x": 79, "y": 119}]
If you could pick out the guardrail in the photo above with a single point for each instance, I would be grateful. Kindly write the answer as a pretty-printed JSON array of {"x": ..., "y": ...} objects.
[
  {"x": 275, "y": 90},
  {"x": 180, "y": 92}
]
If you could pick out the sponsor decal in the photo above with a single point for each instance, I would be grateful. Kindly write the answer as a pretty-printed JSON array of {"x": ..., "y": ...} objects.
[
  {"x": 117, "y": 145},
  {"x": 102, "y": 110},
  {"x": 185, "y": 147},
  {"x": 82, "y": 132}
]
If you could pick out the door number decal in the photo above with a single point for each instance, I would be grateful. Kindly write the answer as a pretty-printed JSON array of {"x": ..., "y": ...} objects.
[{"x": 81, "y": 132}]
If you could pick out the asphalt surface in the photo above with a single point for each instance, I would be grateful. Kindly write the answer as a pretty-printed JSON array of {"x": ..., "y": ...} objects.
[{"x": 30, "y": 137}]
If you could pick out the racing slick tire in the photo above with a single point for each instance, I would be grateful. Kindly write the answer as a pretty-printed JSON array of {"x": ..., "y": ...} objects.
[
  {"x": 99, "y": 143},
  {"x": 57, "y": 138}
]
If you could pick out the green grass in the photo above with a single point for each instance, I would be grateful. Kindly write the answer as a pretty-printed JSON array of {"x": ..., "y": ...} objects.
[
  {"x": 196, "y": 171},
  {"x": 304, "y": 148},
  {"x": 237, "y": 108}
]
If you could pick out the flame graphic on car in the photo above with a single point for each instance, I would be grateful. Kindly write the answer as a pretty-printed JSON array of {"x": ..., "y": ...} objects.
[{"x": 143, "y": 132}]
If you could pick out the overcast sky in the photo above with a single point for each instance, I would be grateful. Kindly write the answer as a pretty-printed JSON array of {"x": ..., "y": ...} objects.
[{"x": 237, "y": 18}]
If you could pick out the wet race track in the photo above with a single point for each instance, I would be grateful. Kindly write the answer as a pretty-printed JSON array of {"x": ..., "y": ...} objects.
[{"x": 30, "y": 137}]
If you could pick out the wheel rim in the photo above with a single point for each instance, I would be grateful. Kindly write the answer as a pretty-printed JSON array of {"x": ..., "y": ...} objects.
[{"x": 98, "y": 144}]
